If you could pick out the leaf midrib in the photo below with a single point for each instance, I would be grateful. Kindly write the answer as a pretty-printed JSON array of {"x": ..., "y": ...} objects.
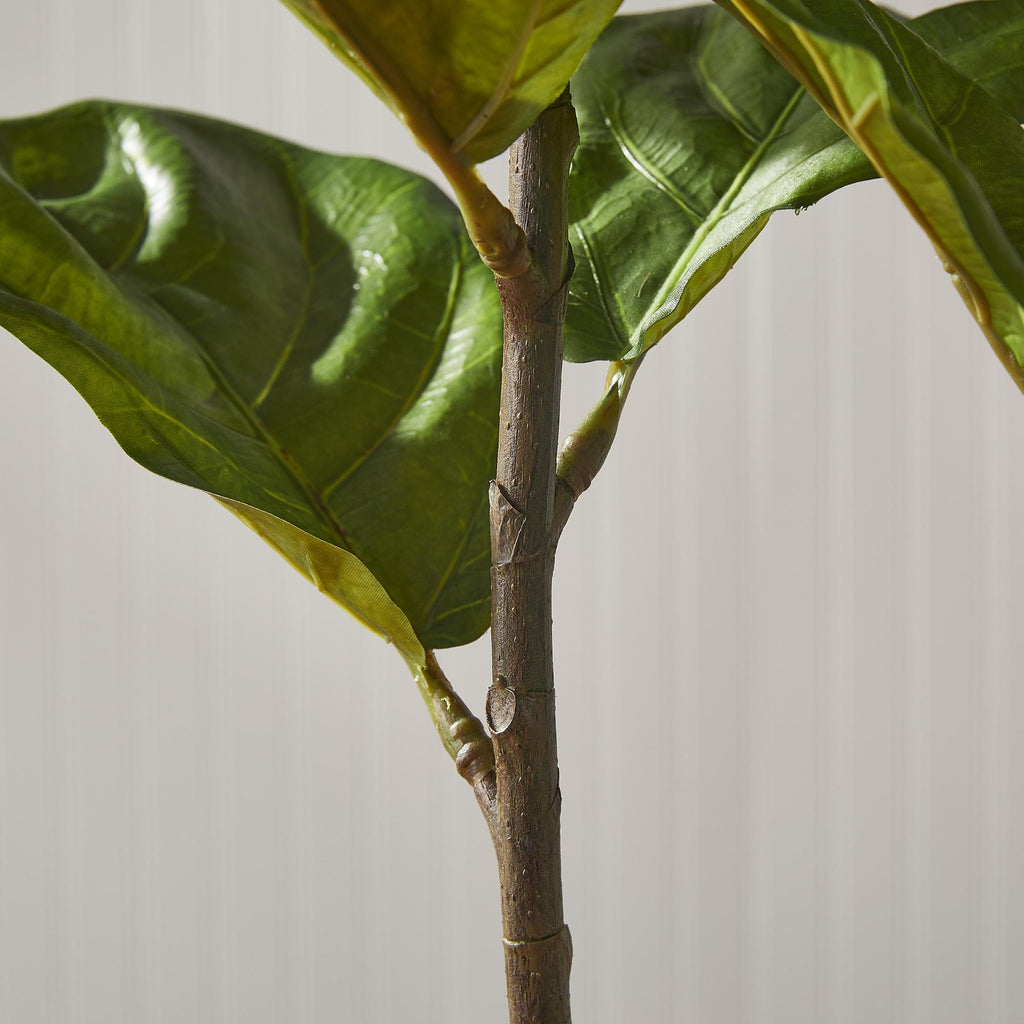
[
  {"x": 852, "y": 122},
  {"x": 636, "y": 159},
  {"x": 501, "y": 88},
  {"x": 146, "y": 403},
  {"x": 263, "y": 432},
  {"x": 712, "y": 220},
  {"x": 972, "y": 291},
  {"x": 392, "y": 80}
]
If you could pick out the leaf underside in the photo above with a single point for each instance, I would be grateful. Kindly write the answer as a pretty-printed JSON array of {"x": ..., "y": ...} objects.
[
  {"x": 338, "y": 574},
  {"x": 951, "y": 150},
  {"x": 692, "y": 135},
  {"x": 308, "y": 335},
  {"x": 473, "y": 74}
]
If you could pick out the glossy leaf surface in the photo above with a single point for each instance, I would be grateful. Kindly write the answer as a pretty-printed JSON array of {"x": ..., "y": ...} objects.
[
  {"x": 692, "y": 135},
  {"x": 308, "y": 335},
  {"x": 953, "y": 153},
  {"x": 469, "y": 74}
]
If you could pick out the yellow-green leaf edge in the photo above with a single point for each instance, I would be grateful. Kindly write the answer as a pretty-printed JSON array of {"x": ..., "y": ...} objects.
[
  {"x": 851, "y": 83},
  {"x": 340, "y": 575}
]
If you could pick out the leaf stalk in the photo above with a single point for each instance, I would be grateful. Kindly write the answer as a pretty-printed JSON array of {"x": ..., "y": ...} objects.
[
  {"x": 460, "y": 731},
  {"x": 584, "y": 450}
]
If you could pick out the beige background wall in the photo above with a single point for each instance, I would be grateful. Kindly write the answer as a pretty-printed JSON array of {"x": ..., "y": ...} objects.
[{"x": 792, "y": 725}]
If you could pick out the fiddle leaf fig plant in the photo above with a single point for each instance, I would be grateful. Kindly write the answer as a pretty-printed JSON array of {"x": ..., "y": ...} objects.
[{"x": 367, "y": 374}]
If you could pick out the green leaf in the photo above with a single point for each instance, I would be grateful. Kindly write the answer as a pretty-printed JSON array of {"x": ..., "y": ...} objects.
[
  {"x": 469, "y": 75},
  {"x": 952, "y": 152},
  {"x": 308, "y": 335},
  {"x": 985, "y": 42},
  {"x": 691, "y": 136},
  {"x": 338, "y": 574}
]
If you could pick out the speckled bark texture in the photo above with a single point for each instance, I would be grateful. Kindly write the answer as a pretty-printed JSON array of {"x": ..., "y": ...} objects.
[{"x": 521, "y": 701}]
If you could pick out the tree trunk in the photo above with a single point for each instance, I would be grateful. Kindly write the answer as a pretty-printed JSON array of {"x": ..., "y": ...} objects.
[{"x": 520, "y": 704}]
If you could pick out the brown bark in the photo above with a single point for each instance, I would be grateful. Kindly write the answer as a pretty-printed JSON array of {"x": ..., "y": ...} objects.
[{"x": 520, "y": 703}]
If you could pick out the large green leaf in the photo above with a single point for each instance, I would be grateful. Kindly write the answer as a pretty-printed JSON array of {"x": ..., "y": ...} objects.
[
  {"x": 308, "y": 335},
  {"x": 469, "y": 75},
  {"x": 952, "y": 152},
  {"x": 692, "y": 135}
]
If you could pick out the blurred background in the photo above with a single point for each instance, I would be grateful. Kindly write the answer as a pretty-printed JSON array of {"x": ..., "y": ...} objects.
[{"x": 791, "y": 730}]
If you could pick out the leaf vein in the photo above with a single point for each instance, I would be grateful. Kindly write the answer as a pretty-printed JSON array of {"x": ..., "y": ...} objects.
[
  {"x": 443, "y": 330},
  {"x": 715, "y": 216},
  {"x": 635, "y": 158}
]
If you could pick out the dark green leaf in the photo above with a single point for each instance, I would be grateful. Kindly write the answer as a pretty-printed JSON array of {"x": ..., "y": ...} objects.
[
  {"x": 309, "y": 335},
  {"x": 692, "y": 135},
  {"x": 985, "y": 42}
]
